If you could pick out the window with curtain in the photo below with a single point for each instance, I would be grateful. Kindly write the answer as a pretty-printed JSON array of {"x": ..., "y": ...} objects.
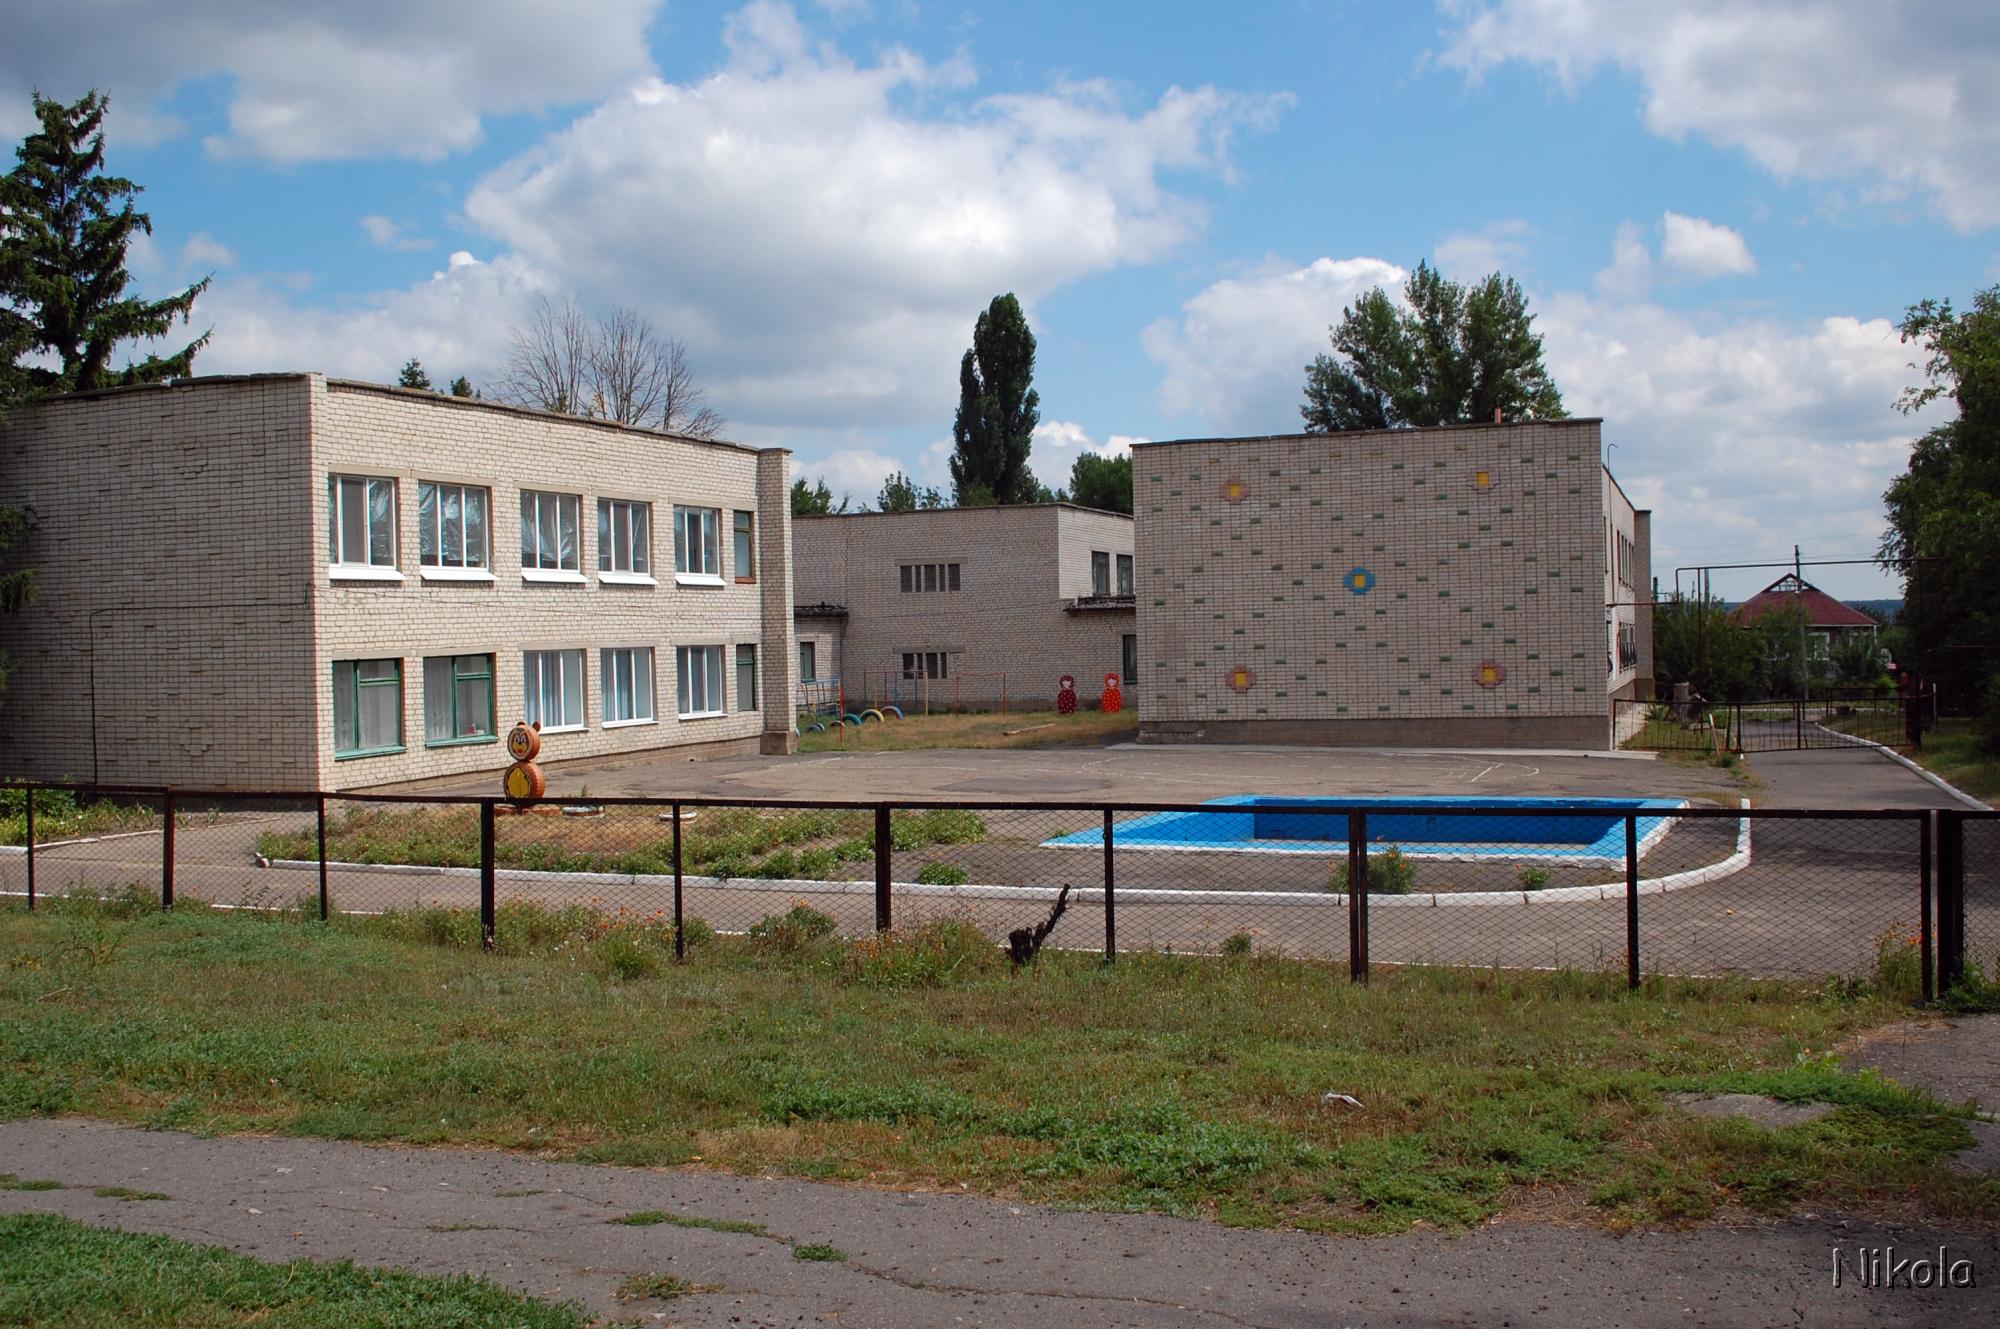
[
  {"x": 458, "y": 699},
  {"x": 699, "y": 671},
  {"x": 552, "y": 689},
  {"x": 624, "y": 536},
  {"x": 549, "y": 531},
  {"x": 626, "y": 675},
  {"x": 451, "y": 525},
  {"x": 361, "y": 521},
  {"x": 695, "y": 551},
  {"x": 367, "y": 707}
]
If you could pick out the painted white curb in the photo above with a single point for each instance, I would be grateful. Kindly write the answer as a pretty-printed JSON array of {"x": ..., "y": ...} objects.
[{"x": 1897, "y": 757}]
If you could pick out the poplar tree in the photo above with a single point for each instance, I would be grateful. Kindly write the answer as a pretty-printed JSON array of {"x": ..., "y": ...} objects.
[{"x": 998, "y": 410}]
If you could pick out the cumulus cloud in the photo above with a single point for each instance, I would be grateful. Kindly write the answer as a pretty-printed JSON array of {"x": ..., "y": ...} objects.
[
  {"x": 1499, "y": 246},
  {"x": 387, "y": 234},
  {"x": 1902, "y": 98},
  {"x": 1702, "y": 249},
  {"x": 365, "y": 77},
  {"x": 1235, "y": 358},
  {"x": 795, "y": 191},
  {"x": 1058, "y": 443}
]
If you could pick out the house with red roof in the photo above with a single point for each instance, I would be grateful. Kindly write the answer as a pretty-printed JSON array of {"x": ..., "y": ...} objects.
[{"x": 1829, "y": 623}]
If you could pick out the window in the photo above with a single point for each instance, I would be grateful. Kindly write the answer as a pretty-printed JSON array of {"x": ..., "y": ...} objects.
[
  {"x": 746, "y": 678},
  {"x": 746, "y": 560},
  {"x": 451, "y": 526},
  {"x": 367, "y": 707},
  {"x": 361, "y": 524},
  {"x": 1100, "y": 572},
  {"x": 627, "y": 672},
  {"x": 808, "y": 663},
  {"x": 700, "y": 671},
  {"x": 696, "y": 558},
  {"x": 924, "y": 664},
  {"x": 1124, "y": 574},
  {"x": 549, "y": 536},
  {"x": 552, "y": 689},
  {"x": 916, "y": 577},
  {"x": 624, "y": 539},
  {"x": 1129, "y": 645},
  {"x": 458, "y": 699}
]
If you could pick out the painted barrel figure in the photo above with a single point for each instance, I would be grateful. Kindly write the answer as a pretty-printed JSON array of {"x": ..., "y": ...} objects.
[
  {"x": 1114, "y": 697},
  {"x": 1066, "y": 696}
]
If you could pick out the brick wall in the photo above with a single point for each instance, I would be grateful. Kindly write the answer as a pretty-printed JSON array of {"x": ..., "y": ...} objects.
[
  {"x": 1410, "y": 586},
  {"x": 1019, "y": 568},
  {"x": 174, "y": 586}
]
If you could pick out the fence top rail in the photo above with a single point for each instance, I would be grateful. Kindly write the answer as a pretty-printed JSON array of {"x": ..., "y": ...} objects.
[{"x": 1330, "y": 805}]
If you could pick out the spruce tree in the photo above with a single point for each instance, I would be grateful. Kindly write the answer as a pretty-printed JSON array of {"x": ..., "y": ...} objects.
[
  {"x": 998, "y": 410},
  {"x": 64, "y": 229},
  {"x": 413, "y": 376}
]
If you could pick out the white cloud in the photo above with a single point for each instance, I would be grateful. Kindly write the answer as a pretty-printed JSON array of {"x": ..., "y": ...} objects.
[
  {"x": 794, "y": 193},
  {"x": 1236, "y": 357},
  {"x": 1631, "y": 272},
  {"x": 1702, "y": 249},
  {"x": 203, "y": 250},
  {"x": 387, "y": 234},
  {"x": 1499, "y": 246},
  {"x": 365, "y": 77},
  {"x": 1058, "y": 443},
  {"x": 1904, "y": 98}
]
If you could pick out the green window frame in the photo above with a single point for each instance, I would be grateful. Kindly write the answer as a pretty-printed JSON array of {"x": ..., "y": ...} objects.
[
  {"x": 746, "y": 555},
  {"x": 454, "y": 688},
  {"x": 361, "y": 689},
  {"x": 746, "y": 678}
]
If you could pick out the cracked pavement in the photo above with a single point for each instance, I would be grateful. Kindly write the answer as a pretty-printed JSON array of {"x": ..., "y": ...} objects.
[{"x": 922, "y": 1260}]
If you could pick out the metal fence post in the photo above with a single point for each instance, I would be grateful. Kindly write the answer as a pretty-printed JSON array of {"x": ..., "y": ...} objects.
[
  {"x": 488, "y": 905},
  {"x": 1924, "y": 938},
  {"x": 319, "y": 819},
  {"x": 167, "y": 849},
  {"x": 1357, "y": 896},
  {"x": 680, "y": 937},
  {"x": 1110, "y": 909},
  {"x": 1632, "y": 901},
  {"x": 1950, "y": 919},
  {"x": 882, "y": 846},
  {"x": 31, "y": 848}
]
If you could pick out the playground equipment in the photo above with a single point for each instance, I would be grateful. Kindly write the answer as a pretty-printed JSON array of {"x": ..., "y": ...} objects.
[
  {"x": 889, "y": 689},
  {"x": 1066, "y": 696},
  {"x": 1113, "y": 698},
  {"x": 822, "y": 703}
]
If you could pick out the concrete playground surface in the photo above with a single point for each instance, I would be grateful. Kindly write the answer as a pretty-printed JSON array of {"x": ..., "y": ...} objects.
[{"x": 1720, "y": 895}]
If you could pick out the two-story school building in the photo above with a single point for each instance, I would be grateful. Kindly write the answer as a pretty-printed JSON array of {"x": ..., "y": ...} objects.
[
  {"x": 1472, "y": 585},
  {"x": 973, "y": 607},
  {"x": 292, "y": 581}
]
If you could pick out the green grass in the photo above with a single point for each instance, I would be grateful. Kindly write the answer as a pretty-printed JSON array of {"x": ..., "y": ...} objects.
[
  {"x": 1018, "y": 729},
  {"x": 818, "y": 1251},
  {"x": 127, "y": 1193},
  {"x": 56, "y": 1272},
  {"x": 1165, "y": 1083},
  {"x": 58, "y": 816},
  {"x": 1952, "y": 751},
  {"x": 661, "y": 1287},
  {"x": 654, "y": 1217},
  {"x": 10, "y": 1182}
]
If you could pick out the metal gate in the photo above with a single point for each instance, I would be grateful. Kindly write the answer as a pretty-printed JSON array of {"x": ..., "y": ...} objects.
[{"x": 1772, "y": 725}]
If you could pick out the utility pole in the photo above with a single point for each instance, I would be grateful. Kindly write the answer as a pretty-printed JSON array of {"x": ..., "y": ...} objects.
[{"x": 1805, "y": 658}]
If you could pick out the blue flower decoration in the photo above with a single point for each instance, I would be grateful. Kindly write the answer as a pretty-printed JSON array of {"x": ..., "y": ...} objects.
[{"x": 1360, "y": 581}]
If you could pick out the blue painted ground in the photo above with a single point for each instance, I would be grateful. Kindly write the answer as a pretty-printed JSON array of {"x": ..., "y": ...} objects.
[{"x": 1461, "y": 827}]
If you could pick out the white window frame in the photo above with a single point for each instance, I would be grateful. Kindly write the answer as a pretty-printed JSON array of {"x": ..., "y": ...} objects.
[
  {"x": 433, "y": 526},
  {"x": 707, "y": 662},
  {"x": 570, "y": 684},
  {"x": 534, "y": 571},
  {"x": 635, "y": 665},
  {"x": 632, "y": 520},
  {"x": 707, "y": 542},
  {"x": 338, "y": 497}
]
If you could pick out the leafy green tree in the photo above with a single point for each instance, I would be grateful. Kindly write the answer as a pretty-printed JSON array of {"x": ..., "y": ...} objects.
[
  {"x": 901, "y": 494},
  {"x": 1696, "y": 642},
  {"x": 998, "y": 410},
  {"x": 1101, "y": 482},
  {"x": 462, "y": 387},
  {"x": 814, "y": 500},
  {"x": 1454, "y": 355},
  {"x": 413, "y": 376},
  {"x": 1944, "y": 510},
  {"x": 64, "y": 230}
]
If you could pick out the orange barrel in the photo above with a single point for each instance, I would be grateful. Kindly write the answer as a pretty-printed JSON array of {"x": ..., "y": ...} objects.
[
  {"x": 524, "y": 781},
  {"x": 524, "y": 741}
]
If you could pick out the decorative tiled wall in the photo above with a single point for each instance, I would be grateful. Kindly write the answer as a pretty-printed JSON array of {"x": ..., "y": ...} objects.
[{"x": 1372, "y": 579}]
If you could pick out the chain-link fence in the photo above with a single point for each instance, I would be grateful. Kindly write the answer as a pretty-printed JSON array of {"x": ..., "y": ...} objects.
[{"x": 1633, "y": 886}]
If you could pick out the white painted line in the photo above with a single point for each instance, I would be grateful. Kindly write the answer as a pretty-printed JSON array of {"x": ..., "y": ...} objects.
[{"x": 1895, "y": 756}]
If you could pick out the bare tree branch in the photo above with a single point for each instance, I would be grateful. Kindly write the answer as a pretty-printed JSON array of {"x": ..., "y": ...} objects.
[
  {"x": 616, "y": 368},
  {"x": 549, "y": 364}
]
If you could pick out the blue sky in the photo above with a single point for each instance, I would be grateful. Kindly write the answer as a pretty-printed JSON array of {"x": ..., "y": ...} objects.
[{"x": 1719, "y": 210}]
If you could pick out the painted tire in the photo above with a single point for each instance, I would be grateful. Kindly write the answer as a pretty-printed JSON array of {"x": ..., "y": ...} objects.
[
  {"x": 851, "y": 718},
  {"x": 815, "y": 728},
  {"x": 524, "y": 741},
  {"x": 524, "y": 781},
  {"x": 896, "y": 711},
  {"x": 871, "y": 713}
]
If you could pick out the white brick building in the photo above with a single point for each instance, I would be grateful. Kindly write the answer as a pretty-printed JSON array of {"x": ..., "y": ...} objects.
[
  {"x": 1471, "y": 585},
  {"x": 961, "y": 603},
  {"x": 293, "y": 581}
]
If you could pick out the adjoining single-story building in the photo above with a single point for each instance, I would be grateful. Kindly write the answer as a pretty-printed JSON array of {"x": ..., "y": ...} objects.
[
  {"x": 290, "y": 581},
  {"x": 971, "y": 607},
  {"x": 1474, "y": 585}
]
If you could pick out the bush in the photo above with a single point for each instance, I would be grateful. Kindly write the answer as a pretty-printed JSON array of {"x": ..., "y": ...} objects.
[
  {"x": 1389, "y": 873},
  {"x": 1534, "y": 878},
  {"x": 933, "y": 954},
  {"x": 1237, "y": 944},
  {"x": 625, "y": 955},
  {"x": 1989, "y": 716},
  {"x": 941, "y": 874},
  {"x": 794, "y": 930}
]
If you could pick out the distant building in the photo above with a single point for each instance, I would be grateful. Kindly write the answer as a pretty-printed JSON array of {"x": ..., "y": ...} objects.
[
  {"x": 1829, "y": 623},
  {"x": 964, "y": 606},
  {"x": 1477, "y": 585},
  {"x": 289, "y": 581}
]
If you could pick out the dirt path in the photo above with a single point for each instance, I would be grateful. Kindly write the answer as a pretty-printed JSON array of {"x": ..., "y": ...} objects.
[{"x": 927, "y": 1260}]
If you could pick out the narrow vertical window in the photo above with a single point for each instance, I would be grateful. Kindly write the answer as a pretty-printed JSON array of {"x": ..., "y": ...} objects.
[
  {"x": 1124, "y": 574},
  {"x": 746, "y": 560},
  {"x": 746, "y": 678},
  {"x": 1100, "y": 572}
]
